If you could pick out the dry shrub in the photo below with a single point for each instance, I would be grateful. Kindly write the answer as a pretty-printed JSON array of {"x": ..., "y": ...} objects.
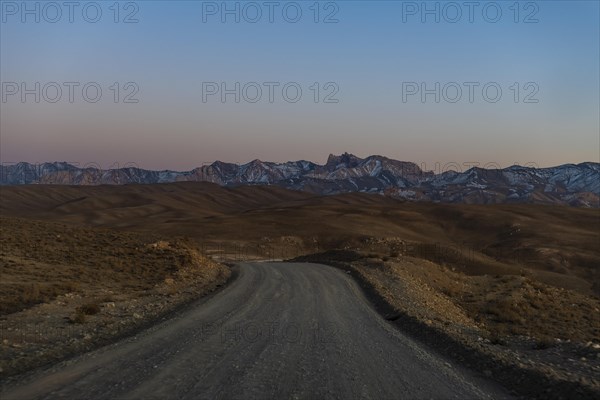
[
  {"x": 31, "y": 294},
  {"x": 451, "y": 291},
  {"x": 88, "y": 309},
  {"x": 544, "y": 342},
  {"x": 78, "y": 318},
  {"x": 107, "y": 299},
  {"x": 504, "y": 311},
  {"x": 496, "y": 339}
]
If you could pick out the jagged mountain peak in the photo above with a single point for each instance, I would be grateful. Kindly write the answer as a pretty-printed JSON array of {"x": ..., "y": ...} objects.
[{"x": 346, "y": 160}]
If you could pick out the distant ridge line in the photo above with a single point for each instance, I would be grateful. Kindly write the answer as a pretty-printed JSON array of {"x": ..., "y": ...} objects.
[{"x": 568, "y": 184}]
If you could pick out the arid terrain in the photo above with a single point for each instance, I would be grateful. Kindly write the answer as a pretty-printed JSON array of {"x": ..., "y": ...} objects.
[
  {"x": 516, "y": 284},
  {"x": 65, "y": 289},
  {"x": 556, "y": 245}
]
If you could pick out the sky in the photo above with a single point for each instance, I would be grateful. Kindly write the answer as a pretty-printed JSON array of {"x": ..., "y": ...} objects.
[{"x": 179, "y": 84}]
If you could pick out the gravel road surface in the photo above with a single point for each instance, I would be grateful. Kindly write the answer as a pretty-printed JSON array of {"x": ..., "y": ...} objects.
[{"x": 280, "y": 331}]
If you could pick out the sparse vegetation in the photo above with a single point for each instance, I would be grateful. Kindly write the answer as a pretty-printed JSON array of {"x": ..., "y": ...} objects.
[
  {"x": 88, "y": 309},
  {"x": 40, "y": 261},
  {"x": 64, "y": 287}
]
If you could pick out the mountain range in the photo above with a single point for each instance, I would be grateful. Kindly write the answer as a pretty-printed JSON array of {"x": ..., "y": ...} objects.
[{"x": 569, "y": 184}]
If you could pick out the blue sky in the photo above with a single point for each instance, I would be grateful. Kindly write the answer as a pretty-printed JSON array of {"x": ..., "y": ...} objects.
[{"x": 370, "y": 57}]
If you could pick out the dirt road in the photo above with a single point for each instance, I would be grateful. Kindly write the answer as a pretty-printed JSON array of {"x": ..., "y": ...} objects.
[{"x": 284, "y": 331}]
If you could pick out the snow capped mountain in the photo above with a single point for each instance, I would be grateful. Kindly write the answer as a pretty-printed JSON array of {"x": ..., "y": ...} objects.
[{"x": 570, "y": 184}]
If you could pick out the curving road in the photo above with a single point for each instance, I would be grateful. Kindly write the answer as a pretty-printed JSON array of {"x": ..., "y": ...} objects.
[{"x": 284, "y": 331}]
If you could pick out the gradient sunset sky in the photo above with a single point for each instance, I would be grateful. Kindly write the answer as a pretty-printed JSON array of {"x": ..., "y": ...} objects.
[{"x": 550, "y": 49}]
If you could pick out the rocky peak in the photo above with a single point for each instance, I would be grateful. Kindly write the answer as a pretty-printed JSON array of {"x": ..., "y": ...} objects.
[{"x": 347, "y": 160}]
